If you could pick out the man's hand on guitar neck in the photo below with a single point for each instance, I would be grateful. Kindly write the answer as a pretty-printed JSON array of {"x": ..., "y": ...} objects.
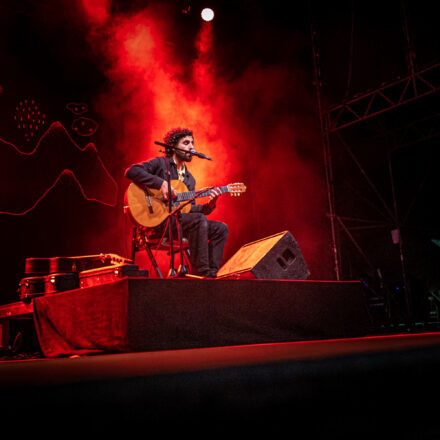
[
  {"x": 214, "y": 194},
  {"x": 164, "y": 190}
]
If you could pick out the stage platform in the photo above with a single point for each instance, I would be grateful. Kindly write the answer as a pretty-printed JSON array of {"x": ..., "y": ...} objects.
[{"x": 141, "y": 314}]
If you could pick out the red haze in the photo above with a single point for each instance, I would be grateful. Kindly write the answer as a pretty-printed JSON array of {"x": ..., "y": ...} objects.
[{"x": 259, "y": 127}]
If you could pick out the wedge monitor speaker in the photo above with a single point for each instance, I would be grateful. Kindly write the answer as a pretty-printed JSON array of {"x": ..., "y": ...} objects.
[{"x": 275, "y": 257}]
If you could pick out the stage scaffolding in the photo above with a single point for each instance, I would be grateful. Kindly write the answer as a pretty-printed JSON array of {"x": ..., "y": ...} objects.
[{"x": 394, "y": 117}]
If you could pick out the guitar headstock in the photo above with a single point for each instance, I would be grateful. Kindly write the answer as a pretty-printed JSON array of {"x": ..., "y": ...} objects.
[{"x": 236, "y": 189}]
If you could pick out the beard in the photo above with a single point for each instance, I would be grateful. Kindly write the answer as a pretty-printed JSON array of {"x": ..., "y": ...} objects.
[{"x": 185, "y": 157}]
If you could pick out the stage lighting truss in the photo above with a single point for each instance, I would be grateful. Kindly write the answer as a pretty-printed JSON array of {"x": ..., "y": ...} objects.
[
  {"x": 387, "y": 97},
  {"x": 418, "y": 84}
]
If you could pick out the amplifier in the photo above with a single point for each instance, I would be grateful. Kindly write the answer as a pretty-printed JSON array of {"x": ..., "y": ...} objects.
[{"x": 108, "y": 274}]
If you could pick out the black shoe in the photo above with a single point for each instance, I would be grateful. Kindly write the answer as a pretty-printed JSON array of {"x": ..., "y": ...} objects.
[{"x": 207, "y": 274}]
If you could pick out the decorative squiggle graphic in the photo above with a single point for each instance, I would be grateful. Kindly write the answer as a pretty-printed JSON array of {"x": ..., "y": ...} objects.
[
  {"x": 84, "y": 126},
  {"x": 30, "y": 176},
  {"x": 77, "y": 108}
]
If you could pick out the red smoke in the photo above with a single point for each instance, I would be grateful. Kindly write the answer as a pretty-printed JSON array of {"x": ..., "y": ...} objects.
[
  {"x": 257, "y": 127},
  {"x": 97, "y": 11}
]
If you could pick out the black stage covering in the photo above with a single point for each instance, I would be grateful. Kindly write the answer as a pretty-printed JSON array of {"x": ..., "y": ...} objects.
[
  {"x": 385, "y": 394},
  {"x": 138, "y": 314}
]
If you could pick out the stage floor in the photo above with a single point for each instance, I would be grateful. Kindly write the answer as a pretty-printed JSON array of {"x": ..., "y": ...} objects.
[
  {"x": 43, "y": 372},
  {"x": 352, "y": 388}
]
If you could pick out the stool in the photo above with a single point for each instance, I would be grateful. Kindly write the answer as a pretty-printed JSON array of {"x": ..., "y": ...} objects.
[{"x": 144, "y": 238}]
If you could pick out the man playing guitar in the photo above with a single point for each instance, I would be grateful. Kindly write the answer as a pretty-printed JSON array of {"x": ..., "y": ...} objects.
[{"x": 207, "y": 238}]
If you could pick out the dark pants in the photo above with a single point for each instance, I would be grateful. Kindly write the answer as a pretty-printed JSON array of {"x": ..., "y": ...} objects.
[{"x": 207, "y": 239}]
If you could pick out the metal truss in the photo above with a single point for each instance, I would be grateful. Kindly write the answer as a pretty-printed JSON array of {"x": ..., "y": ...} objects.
[
  {"x": 416, "y": 85},
  {"x": 360, "y": 108},
  {"x": 419, "y": 83}
]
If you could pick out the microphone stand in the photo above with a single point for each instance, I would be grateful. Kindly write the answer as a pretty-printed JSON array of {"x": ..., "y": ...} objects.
[
  {"x": 168, "y": 155},
  {"x": 182, "y": 270}
]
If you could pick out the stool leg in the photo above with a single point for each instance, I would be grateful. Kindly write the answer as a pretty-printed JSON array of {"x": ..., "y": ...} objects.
[
  {"x": 188, "y": 261},
  {"x": 153, "y": 260},
  {"x": 150, "y": 254}
]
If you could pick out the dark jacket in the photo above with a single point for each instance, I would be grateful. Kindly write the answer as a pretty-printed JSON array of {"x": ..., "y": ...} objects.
[{"x": 153, "y": 172}]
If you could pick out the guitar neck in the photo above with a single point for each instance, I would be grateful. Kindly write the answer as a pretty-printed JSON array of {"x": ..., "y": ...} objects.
[{"x": 183, "y": 196}]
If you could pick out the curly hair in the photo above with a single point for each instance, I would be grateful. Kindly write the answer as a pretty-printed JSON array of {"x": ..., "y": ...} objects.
[{"x": 175, "y": 134}]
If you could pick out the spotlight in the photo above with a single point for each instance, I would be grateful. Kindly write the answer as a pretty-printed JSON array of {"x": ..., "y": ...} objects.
[{"x": 207, "y": 14}]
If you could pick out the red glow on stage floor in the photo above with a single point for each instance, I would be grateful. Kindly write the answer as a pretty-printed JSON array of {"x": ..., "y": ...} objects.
[{"x": 106, "y": 366}]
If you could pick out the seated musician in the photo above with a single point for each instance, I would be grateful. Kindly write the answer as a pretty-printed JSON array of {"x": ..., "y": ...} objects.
[{"x": 207, "y": 238}]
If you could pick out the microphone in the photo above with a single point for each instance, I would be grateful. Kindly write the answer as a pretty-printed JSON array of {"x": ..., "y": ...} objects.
[
  {"x": 192, "y": 151},
  {"x": 202, "y": 156}
]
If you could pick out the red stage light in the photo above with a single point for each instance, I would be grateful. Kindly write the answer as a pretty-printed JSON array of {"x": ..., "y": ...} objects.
[{"x": 207, "y": 14}]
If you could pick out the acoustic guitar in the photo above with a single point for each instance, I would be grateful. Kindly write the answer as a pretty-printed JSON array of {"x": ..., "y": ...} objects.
[{"x": 147, "y": 207}]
